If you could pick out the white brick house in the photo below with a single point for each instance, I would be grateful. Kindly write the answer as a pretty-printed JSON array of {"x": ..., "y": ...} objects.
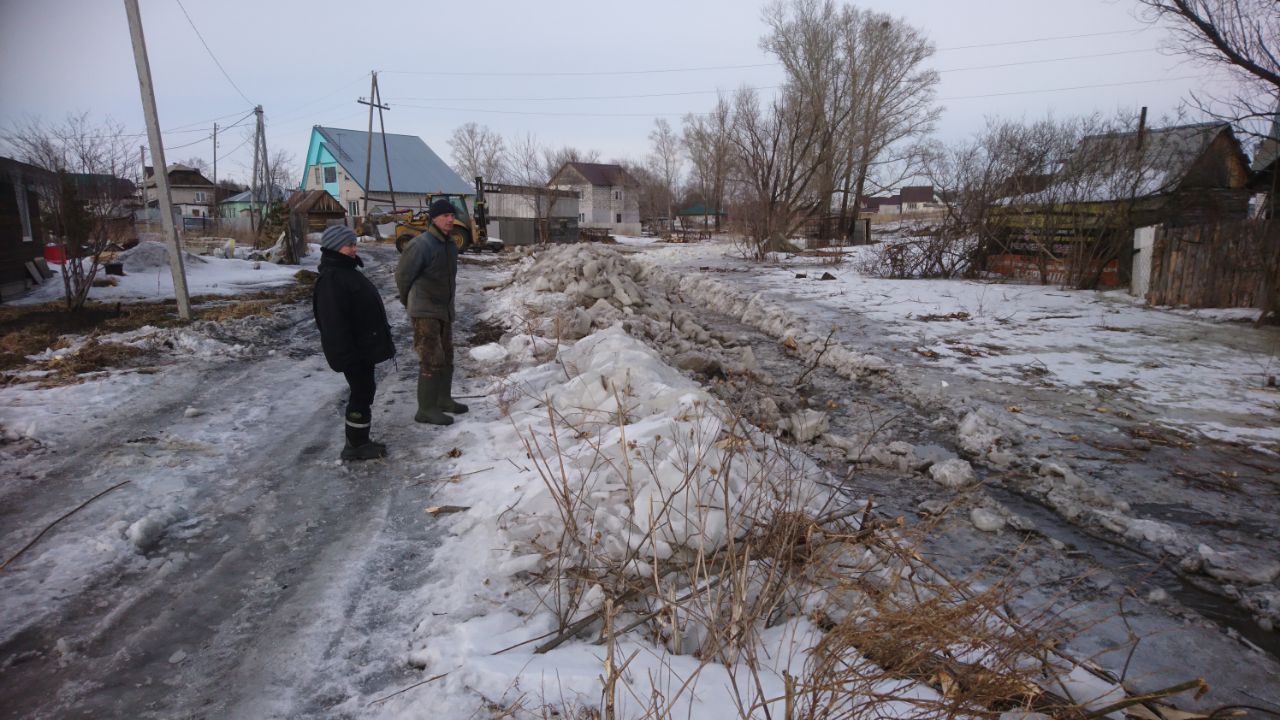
[{"x": 609, "y": 196}]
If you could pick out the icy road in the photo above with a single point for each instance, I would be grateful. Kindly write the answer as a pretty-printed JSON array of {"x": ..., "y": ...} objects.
[{"x": 242, "y": 572}]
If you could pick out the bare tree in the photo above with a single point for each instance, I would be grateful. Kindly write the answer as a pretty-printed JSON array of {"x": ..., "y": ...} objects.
[
  {"x": 531, "y": 164},
  {"x": 667, "y": 163},
  {"x": 651, "y": 189},
  {"x": 861, "y": 75},
  {"x": 196, "y": 163},
  {"x": 706, "y": 140},
  {"x": 775, "y": 147},
  {"x": 1241, "y": 36},
  {"x": 282, "y": 171},
  {"x": 478, "y": 151},
  {"x": 83, "y": 203}
]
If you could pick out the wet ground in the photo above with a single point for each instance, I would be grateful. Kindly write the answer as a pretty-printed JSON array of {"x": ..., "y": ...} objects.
[
  {"x": 1152, "y": 611},
  {"x": 288, "y": 587}
]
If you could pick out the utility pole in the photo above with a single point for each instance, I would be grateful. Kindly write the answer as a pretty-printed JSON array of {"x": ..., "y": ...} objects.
[
  {"x": 157, "y": 154},
  {"x": 215, "y": 169},
  {"x": 253, "y": 183},
  {"x": 375, "y": 101},
  {"x": 142, "y": 172}
]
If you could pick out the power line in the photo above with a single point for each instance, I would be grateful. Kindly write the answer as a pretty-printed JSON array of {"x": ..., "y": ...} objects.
[
  {"x": 215, "y": 59},
  {"x": 1050, "y": 60},
  {"x": 576, "y": 73},
  {"x": 962, "y": 97},
  {"x": 1076, "y": 87},
  {"x": 735, "y": 67},
  {"x": 1043, "y": 39},
  {"x": 762, "y": 87}
]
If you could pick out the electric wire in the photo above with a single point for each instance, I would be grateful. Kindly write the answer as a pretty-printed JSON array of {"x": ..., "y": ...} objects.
[
  {"x": 569, "y": 98},
  {"x": 658, "y": 114},
  {"x": 208, "y": 50},
  {"x": 657, "y": 71}
]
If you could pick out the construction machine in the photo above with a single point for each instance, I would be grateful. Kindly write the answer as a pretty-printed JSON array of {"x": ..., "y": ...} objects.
[{"x": 470, "y": 227}]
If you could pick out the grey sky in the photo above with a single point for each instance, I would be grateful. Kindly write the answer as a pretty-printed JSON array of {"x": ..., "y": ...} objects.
[{"x": 308, "y": 62}]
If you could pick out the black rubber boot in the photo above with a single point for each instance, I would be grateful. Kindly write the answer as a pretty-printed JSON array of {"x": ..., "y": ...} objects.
[
  {"x": 428, "y": 399},
  {"x": 359, "y": 446},
  {"x": 446, "y": 397}
]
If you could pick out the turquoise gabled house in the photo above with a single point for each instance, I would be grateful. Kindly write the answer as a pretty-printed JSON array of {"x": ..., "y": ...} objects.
[{"x": 337, "y": 160}]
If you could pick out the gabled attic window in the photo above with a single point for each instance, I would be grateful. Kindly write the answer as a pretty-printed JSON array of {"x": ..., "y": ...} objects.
[{"x": 331, "y": 174}]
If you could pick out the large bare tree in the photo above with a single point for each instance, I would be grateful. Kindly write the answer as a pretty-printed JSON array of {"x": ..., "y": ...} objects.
[
  {"x": 90, "y": 161},
  {"x": 776, "y": 159},
  {"x": 478, "y": 151},
  {"x": 861, "y": 75},
  {"x": 666, "y": 161},
  {"x": 706, "y": 140},
  {"x": 1241, "y": 36}
]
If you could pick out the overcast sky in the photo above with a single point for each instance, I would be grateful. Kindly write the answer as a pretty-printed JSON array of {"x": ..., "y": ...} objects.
[{"x": 552, "y": 67}]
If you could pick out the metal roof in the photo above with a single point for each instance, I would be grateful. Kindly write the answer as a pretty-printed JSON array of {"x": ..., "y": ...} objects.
[{"x": 415, "y": 168}]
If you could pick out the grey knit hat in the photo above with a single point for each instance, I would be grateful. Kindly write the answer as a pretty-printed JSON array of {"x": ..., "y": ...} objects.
[{"x": 336, "y": 237}]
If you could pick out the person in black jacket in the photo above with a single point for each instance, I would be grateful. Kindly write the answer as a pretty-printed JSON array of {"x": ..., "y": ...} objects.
[{"x": 353, "y": 332}]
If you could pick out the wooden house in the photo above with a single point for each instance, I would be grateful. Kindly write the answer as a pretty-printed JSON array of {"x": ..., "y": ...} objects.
[
  {"x": 1114, "y": 183},
  {"x": 22, "y": 237},
  {"x": 312, "y": 211}
]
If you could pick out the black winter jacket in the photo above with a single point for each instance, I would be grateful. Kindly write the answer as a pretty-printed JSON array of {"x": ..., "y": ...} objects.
[{"x": 348, "y": 310}]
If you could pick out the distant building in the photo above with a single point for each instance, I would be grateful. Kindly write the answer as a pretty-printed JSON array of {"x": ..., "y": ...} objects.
[
  {"x": 241, "y": 204},
  {"x": 514, "y": 211},
  {"x": 609, "y": 196},
  {"x": 337, "y": 161},
  {"x": 191, "y": 193}
]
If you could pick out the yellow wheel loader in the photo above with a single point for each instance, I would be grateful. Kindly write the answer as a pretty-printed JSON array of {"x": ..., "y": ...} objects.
[{"x": 470, "y": 229}]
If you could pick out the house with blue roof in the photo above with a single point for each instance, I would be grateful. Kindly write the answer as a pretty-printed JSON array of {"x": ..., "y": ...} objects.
[{"x": 337, "y": 161}]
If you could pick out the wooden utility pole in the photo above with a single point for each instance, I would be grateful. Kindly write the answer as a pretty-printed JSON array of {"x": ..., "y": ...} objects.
[
  {"x": 375, "y": 101},
  {"x": 157, "y": 155},
  {"x": 215, "y": 165}
]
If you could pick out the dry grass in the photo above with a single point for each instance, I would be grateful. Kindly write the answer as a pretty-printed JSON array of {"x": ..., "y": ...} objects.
[
  {"x": 27, "y": 330},
  {"x": 899, "y": 638}
]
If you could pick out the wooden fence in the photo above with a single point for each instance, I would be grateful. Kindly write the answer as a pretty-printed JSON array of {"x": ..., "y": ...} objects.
[{"x": 1224, "y": 265}]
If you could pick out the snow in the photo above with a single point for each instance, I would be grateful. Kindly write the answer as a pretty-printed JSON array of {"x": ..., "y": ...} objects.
[
  {"x": 576, "y": 399},
  {"x": 148, "y": 276}
]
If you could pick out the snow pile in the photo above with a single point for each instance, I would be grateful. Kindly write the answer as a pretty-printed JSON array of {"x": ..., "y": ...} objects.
[
  {"x": 150, "y": 255},
  {"x": 606, "y": 494},
  {"x": 627, "y": 469}
]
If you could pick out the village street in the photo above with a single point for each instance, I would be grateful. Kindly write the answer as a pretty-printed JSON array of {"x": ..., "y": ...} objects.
[
  {"x": 244, "y": 572},
  {"x": 263, "y": 579}
]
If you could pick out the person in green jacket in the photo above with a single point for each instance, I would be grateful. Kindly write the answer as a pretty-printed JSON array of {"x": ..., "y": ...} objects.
[{"x": 426, "y": 279}]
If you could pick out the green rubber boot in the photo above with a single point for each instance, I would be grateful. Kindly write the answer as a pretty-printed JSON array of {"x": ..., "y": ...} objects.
[
  {"x": 446, "y": 397},
  {"x": 428, "y": 394}
]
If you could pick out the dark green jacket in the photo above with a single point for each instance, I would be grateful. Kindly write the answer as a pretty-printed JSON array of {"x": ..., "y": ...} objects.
[{"x": 426, "y": 277}]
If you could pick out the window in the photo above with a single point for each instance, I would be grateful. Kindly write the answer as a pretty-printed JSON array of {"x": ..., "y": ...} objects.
[
  {"x": 317, "y": 175},
  {"x": 200, "y": 197},
  {"x": 582, "y": 217},
  {"x": 351, "y": 207},
  {"x": 195, "y": 212},
  {"x": 617, "y": 195},
  {"x": 619, "y": 220},
  {"x": 331, "y": 174}
]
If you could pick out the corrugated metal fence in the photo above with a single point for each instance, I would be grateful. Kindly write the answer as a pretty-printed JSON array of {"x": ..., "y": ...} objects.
[{"x": 1223, "y": 265}]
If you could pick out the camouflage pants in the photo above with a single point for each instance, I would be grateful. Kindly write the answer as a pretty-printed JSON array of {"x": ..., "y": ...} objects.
[{"x": 433, "y": 341}]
